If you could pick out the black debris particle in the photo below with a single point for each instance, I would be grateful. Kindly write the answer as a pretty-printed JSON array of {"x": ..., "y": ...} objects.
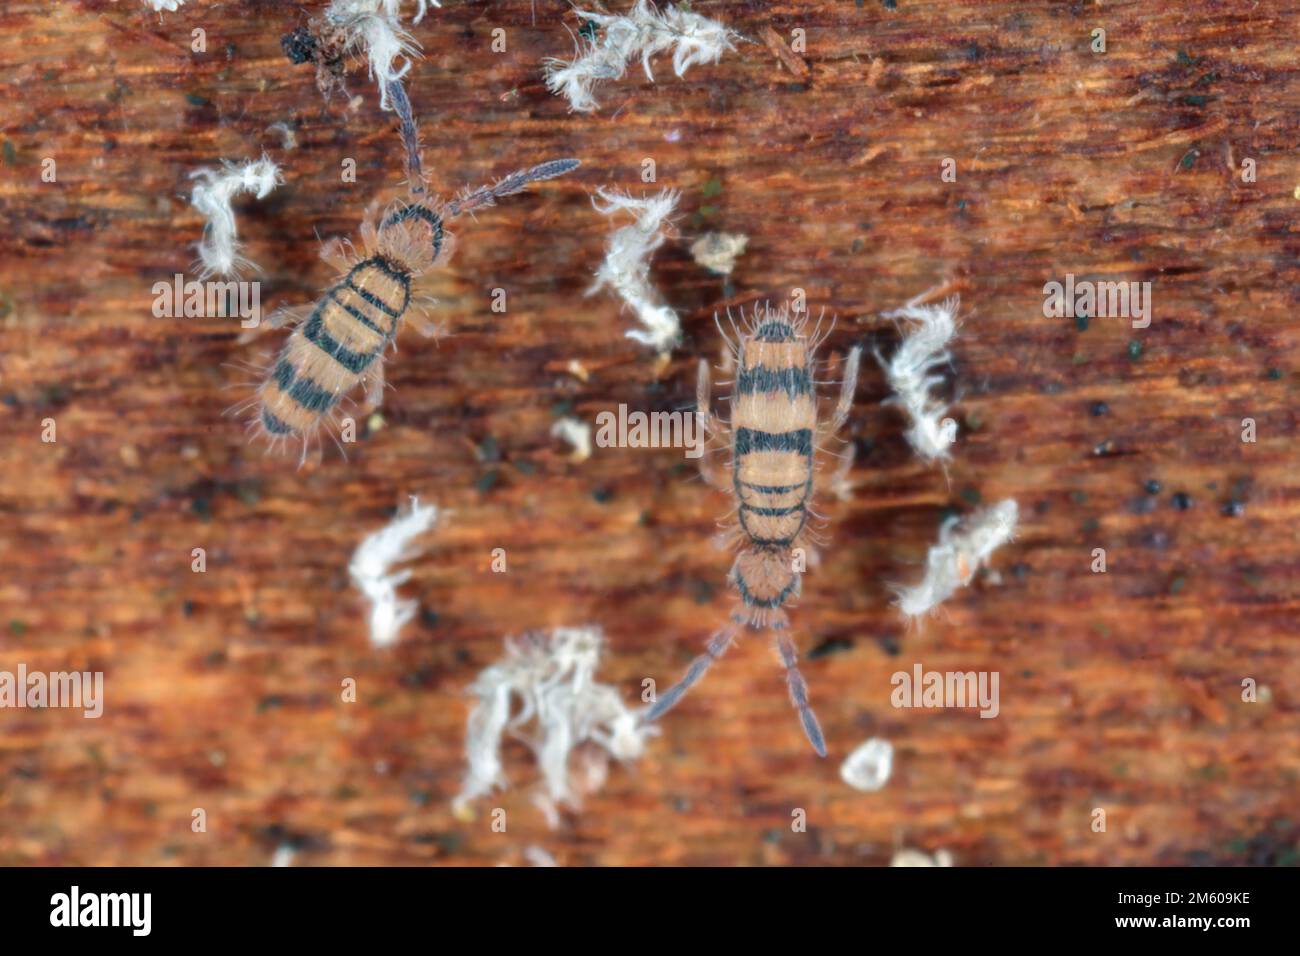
[
  {"x": 832, "y": 645},
  {"x": 1098, "y": 409},
  {"x": 298, "y": 46},
  {"x": 1152, "y": 486},
  {"x": 1182, "y": 500}
]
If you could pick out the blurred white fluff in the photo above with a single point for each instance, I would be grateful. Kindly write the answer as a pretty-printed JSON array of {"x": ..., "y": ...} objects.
[
  {"x": 543, "y": 692},
  {"x": 577, "y": 434},
  {"x": 212, "y": 195},
  {"x": 373, "y": 26},
  {"x": 924, "y": 347},
  {"x": 370, "y": 564},
  {"x": 283, "y": 855},
  {"x": 907, "y": 857},
  {"x": 643, "y": 31},
  {"x": 626, "y": 268},
  {"x": 160, "y": 5},
  {"x": 952, "y": 562},
  {"x": 869, "y": 766}
]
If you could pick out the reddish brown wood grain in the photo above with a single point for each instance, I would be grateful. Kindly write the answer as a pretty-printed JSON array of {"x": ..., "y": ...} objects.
[{"x": 1120, "y": 691}]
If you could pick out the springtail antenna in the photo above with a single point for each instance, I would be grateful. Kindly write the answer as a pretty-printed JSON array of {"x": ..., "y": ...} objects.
[
  {"x": 515, "y": 182},
  {"x": 410, "y": 136}
]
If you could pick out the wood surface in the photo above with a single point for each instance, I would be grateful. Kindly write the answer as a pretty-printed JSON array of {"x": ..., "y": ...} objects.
[{"x": 1119, "y": 691}]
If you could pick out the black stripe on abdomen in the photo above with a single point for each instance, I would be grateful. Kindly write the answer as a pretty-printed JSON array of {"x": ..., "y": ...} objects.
[
  {"x": 371, "y": 300},
  {"x": 274, "y": 425},
  {"x": 792, "y": 381},
  {"x": 314, "y": 330},
  {"x": 388, "y": 308},
  {"x": 751, "y": 439},
  {"x": 773, "y": 512},
  {"x": 775, "y": 489},
  {"x": 307, "y": 393}
]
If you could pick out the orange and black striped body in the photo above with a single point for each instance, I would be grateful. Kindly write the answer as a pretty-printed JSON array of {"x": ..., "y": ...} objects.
[
  {"x": 775, "y": 437},
  {"x": 329, "y": 353},
  {"x": 774, "y": 424}
]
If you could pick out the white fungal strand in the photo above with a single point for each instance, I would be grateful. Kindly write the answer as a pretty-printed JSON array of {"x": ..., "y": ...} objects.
[
  {"x": 869, "y": 766},
  {"x": 543, "y": 692},
  {"x": 577, "y": 434},
  {"x": 626, "y": 268},
  {"x": 964, "y": 546},
  {"x": 643, "y": 31},
  {"x": 160, "y": 5},
  {"x": 373, "y": 26},
  {"x": 370, "y": 570},
  {"x": 924, "y": 348},
  {"x": 212, "y": 195}
]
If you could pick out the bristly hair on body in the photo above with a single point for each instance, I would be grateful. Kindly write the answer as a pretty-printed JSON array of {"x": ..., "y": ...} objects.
[
  {"x": 341, "y": 341},
  {"x": 774, "y": 436}
]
